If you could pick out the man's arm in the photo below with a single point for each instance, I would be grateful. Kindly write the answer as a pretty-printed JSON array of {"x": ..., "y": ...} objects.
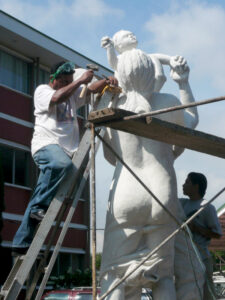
[
  {"x": 211, "y": 228},
  {"x": 98, "y": 86},
  {"x": 208, "y": 233},
  {"x": 63, "y": 94}
]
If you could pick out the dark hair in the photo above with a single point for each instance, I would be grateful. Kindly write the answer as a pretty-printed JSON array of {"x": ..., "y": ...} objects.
[
  {"x": 55, "y": 67},
  {"x": 200, "y": 180}
]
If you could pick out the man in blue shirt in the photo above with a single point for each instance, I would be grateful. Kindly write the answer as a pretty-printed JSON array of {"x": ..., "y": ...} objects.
[{"x": 204, "y": 227}]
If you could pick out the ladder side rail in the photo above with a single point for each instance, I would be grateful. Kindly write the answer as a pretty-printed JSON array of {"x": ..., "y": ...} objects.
[
  {"x": 43, "y": 260},
  {"x": 49, "y": 268},
  {"x": 45, "y": 226},
  {"x": 11, "y": 275},
  {"x": 93, "y": 212}
]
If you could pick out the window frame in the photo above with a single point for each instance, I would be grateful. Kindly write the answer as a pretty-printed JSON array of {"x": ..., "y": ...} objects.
[{"x": 13, "y": 167}]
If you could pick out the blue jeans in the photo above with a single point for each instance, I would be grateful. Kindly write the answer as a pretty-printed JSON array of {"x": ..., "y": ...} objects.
[{"x": 54, "y": 165}]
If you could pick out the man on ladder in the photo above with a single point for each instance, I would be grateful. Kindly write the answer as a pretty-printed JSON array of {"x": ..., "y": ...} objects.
[{"x": 55, "y": 140}]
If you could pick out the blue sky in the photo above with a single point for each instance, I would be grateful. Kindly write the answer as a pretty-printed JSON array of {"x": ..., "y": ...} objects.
[{"x": 194, "y": 29}]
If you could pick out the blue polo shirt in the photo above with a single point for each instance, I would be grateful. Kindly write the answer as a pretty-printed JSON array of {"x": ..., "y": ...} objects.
[{"x": 206, "y": 219}]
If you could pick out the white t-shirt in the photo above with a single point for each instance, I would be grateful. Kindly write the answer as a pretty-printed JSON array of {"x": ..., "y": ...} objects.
[{"x": 56, "y": 124}]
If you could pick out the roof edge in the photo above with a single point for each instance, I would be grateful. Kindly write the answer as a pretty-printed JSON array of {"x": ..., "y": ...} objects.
[{"x": 53, "y": 40}]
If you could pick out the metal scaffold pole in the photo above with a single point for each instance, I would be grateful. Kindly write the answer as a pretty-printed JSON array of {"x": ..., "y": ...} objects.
[
  {"x": 174, "y": 108},
  {"x": 183, "y": 226},
  {"x": 93, "y": 212},
  {"x": 180, "y": 225}
]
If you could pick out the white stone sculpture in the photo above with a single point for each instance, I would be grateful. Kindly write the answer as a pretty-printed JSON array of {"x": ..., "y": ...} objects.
[{"x": 135, "y": 223}]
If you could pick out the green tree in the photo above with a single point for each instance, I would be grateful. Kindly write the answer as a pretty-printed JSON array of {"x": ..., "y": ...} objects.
[
  {"x": 71, "y": 279},
  {"x": 218, "y": 259},
  {"x": 98, "y": 261}
]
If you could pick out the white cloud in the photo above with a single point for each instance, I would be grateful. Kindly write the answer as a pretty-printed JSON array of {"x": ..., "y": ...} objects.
[
  {"x": 194, "y": 29},
  {"x": 77, "y": 12},
  {"x": 94, "y": 8},
  {"x": 76, "y": 23},
  {"x": 33, "y": 14}
]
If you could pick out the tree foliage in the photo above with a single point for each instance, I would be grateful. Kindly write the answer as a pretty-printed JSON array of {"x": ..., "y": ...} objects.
[
  {"x": 71, "y": 279},
  {"x": 218, "y": 260}
]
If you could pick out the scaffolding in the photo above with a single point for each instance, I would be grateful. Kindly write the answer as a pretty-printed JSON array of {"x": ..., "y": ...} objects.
[{"x": 144, "y": 125}]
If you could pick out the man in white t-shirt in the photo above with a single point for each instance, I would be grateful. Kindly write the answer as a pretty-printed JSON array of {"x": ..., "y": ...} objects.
[
  {"x": 55, "y": 139},
  {"x": 204, "y": 227}
]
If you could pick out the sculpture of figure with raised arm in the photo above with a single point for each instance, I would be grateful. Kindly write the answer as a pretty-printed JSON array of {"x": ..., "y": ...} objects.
[
  {"x": 123, "y": 41},
  {"x": 135, "y": 222}
]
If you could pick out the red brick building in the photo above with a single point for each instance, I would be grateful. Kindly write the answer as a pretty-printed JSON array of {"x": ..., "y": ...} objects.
[
  {"x": 219, "y": 244},
  {"x": 26, "y": 56}
]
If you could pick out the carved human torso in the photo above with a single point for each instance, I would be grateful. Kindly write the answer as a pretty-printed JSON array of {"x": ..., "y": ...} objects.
[
  {"x": 135, "y": 221},
  {"x": 152, "y": 161}
]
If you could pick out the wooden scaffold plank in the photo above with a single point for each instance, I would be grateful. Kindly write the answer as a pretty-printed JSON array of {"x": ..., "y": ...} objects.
[{"x": 159, "y": 130}]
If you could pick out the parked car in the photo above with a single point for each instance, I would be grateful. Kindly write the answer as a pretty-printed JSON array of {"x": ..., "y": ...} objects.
[{"x": 82, "y": 293}]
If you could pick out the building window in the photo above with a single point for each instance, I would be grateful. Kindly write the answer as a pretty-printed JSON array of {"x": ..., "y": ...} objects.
[
  {"x": 15, "y": 72},
  {"x": 43, "y": 77},
  {"x": 16, "y": 166},
  {"x": 67, "y": 262}
]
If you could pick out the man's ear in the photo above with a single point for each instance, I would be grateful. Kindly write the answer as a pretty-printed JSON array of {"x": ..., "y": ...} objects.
[
  {"x": 51, "y": 78},
  {"x": 196, "y": 185}
]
